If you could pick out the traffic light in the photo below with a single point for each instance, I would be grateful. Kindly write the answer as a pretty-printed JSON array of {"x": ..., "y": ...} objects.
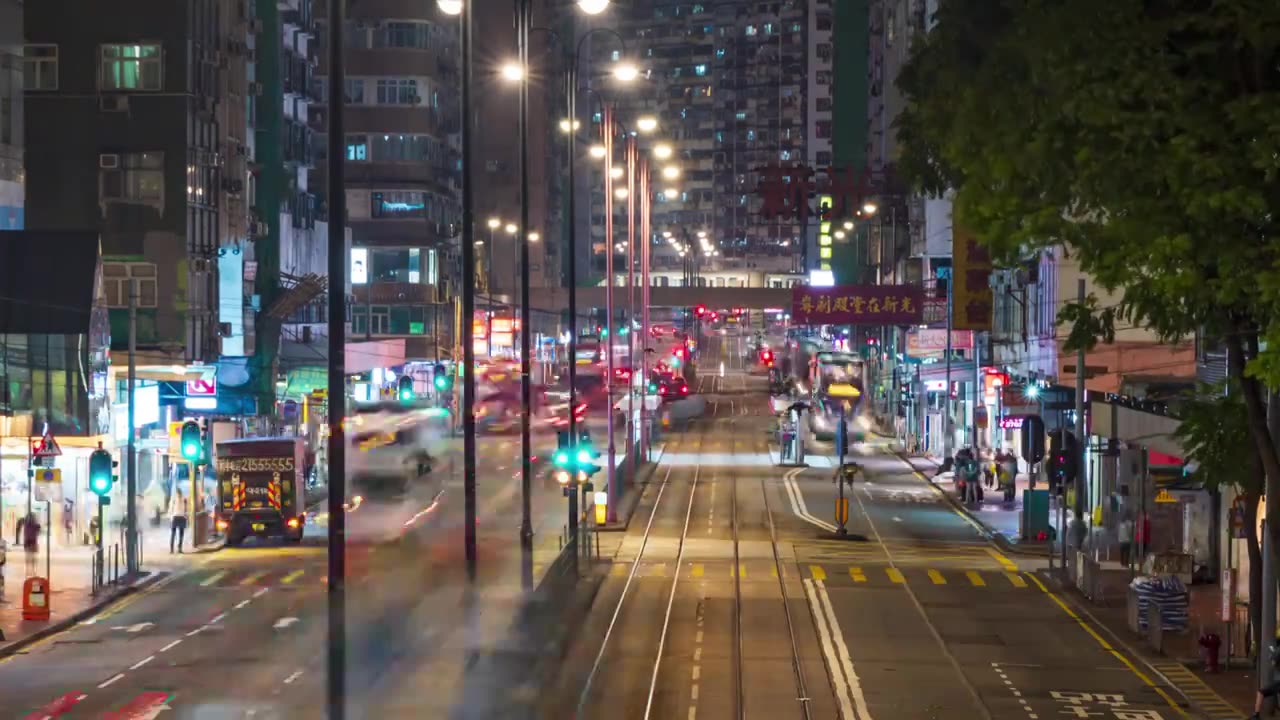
[
  {"x": 404, "y": 389},
  {"x": 1063, "y": 463},
  {"x": 766, "y": 357},
  {"x": 440, "y": 377},
  {"x": 192, "y": 443},
  {"x": 700, "y": 310},
  {"x": 101, "y": 470}
]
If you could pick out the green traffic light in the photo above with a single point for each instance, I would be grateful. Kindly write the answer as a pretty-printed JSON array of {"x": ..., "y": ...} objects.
[
  {"x": 562, "y": 458},
  {"x": 584, "y": 456},
  {"x": 100, "y": 485},
  {"x": 191, "y": 451},
  {"x": 441, "y": 382}
]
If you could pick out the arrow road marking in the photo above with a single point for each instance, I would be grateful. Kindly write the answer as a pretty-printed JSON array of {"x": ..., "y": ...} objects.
[
  {"x": 284, "y": 622},
  {"x": 134, "y": 628}
]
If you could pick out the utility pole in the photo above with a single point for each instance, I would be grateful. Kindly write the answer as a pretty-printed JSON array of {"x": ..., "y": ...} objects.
[
  {"x": 571, "y": 94},
  {"x": 336, "y": 645},
  {"x": 1266, "y": 665},
  {"x": 946, "y": 391},
  {"x": 131, "y": 471},
  {"x": 468, "y": 307},
  {"x": 608, "y": 128},
  {"x": 523, "y": 13},
  {"x": 1078, "y": 529}
]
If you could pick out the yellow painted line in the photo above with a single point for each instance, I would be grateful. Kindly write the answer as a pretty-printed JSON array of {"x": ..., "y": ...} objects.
[
  {"x": 619, "y": 569},
  {"x": 291, "y": 577},
  {"x": 253, "y": 578},
  {"x": 742, "y": 570},
  {"x": 817, "y": 573},
  {"x": 659, "y": 570},
  {"x": 773, "y": 571},
  {"x": 698, "y": 570},
  {"x": 856, "y": 574},
  {"x": 1107, "y": 646},
  {"x": 975, "y": 578},
  {"x": 1016, "y": 579},
  {"x": 213, "y": 578},
  {"x": 1008, "y": 564},
  {"x": 895, "y": 575},
  {"x": 937, "y": 578}
]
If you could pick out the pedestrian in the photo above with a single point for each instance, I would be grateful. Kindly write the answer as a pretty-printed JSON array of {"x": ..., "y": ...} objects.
[
  {"x": 179, "y": 509},
  {"x": 31, "y": 541},
  {"x": 1125, "y": 532},
  {"x": 68, "y": 519}
]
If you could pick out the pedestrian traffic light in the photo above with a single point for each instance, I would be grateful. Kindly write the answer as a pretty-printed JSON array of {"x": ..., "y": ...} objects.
[
  {"x": 440, "y": 377},
  {"x": 191, "y": 442},
  {"x": 101, "y": 471},
  {"x": 405, "y": 389}
]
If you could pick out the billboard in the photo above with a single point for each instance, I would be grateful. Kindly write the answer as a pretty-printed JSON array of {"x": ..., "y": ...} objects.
[{"x": 857, "y": 305}]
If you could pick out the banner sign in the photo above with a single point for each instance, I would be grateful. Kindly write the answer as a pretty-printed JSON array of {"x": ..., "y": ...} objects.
[
  {"x": 928, "y": 342},
  {"x": 972, "y": 302},
  {"x": 857, "y": 305}
]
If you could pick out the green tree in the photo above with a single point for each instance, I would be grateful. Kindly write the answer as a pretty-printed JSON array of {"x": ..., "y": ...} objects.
[{"x": 1140, "y": 135}]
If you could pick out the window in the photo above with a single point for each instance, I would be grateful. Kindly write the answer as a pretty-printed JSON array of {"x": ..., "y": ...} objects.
[
  {"x": 397, "y": 204},
  {"x": 824, "y": 128},
  {"x": 824, "y": 52},
  {"x": 40, "y": 67},
  {"x": 824, "y": 77},
  {"x": 824, "y": 159},
  {"x": 115, "y": 283},
  {"x": 824, "y": 22},
  {"x": 6, "y": 121},
  {"x": 136, "y": 178},
  {"x": 397, "y": 91},
  {"x": 131, "y": 67},
  {"x": 824, "y": 104},
  {"x": 355, "y": 91},
  {"x": 357, "y": 148},
  {"x": 411, "y": 35},
  {"x": 399, "y": 148},
  {"x": 433, "y": 267}
]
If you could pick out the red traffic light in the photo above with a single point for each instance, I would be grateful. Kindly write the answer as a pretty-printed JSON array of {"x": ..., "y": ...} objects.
[{"x": 700, "y": 310}]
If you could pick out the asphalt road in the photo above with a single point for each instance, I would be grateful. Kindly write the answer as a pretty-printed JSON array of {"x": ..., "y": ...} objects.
[
  {"x": 241, "y": 633},
  {"x": 911, "y": 615}
]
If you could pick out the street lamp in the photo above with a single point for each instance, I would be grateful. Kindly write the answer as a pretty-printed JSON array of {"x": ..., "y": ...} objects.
[
  {"x": 662, "y": 152},
  {"x": 869, "y": 208},
  {"x": 596, "y": 151},
  {"x": 620, "y": 193},
  {"x": 569, "y": 126},
  {"x": 647, "y": 124},
  {"x": 494, "y": 223},
  {"x": 593, "y": 7},
  {"x": 625, "y": 71},
  {"x": 512, "y": 229},
  {"x": 671, "y": 193},
  {"x": 702, "y": 234},
  {"x": 450, "y": 7},
  {"x": 671, "y": 172},
  {"x": 615, "y": 172},
  {"x": 534, "y": 237},
  {"x": 848, "y": 224},
  {"x": 512, "y": 72}
]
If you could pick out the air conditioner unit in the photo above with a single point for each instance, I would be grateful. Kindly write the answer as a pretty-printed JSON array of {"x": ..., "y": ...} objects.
[
  {"x": 113, "y": 103},
  {"x": 199, "y": 265},
  {"x": 255, "y": 89},
  {"x": 258, "y": 228},
  {"x": 109, "y": 161}
]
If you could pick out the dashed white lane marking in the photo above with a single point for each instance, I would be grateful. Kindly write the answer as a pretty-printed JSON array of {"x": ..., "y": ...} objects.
[
  {"x": 289, "y": 680},
  {"x": 261, "y": 592},
  {"x": 217, "y": 619},
  {"x": 696, "y": 672},
  {"x": 195, "y": 632},
  {"x": 112, "y": 680},
  {"x": 171, "y": 645},
  {"x": 142, "y": 662},
  {"x": 242, "y": 603},
  {"x": 1031, "y": 714}
]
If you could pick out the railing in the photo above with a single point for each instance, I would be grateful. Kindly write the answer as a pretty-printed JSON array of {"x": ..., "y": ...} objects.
[{"x": 107, "y": 562}]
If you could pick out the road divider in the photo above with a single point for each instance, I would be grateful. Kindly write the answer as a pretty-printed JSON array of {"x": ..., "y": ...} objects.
[{"x": 798, "y": 505}]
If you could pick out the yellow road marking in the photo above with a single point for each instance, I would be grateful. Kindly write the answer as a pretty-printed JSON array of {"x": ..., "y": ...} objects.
[
  {"x": 697, "y": 570},
  {"x": 856, "y": 574},
  {"x": 213, "y": 578},
  {"x": 895, "y": 575},
  {"x": 773, "y": 571},
  {"x": 742, "y": 570},
  {"x": 619, "y": 569},
  {"x": 937, "y": 578},
  {"x": 1107, "y": 646},
  {"x": 659, "y": 570},
  {"x": 1016, "y": 579},
  {"x": 817, "y": 573},
  {"x": 975, "y": 578},
  {"x": 288, "y": 579},
  {"x": 253, "y": 578},
  {"x": 1008, "y": 564}
]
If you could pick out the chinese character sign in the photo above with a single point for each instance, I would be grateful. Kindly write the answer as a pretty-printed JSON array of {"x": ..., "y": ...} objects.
[
  {"x": 971, "y": 300},
  {"x": 857, "y": 305}
]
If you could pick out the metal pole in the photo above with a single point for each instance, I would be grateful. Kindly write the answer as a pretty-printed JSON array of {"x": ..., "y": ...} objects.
[
  {"x": 98, "y": 563},
  {"x": 131, "y": 471},
  {"x": 1078, "y": 529},
  {"x": 571, "y": 80},
  {"x": 526, "y": 388},
  {"x": 607, "y": 128},
  {"x": 646, "y": 236},
  {"x": 631, "y": 307},
  {"x": 337, "y": 191},
  {"x": 468, "y": 309},
  {"x": 946, "y": 390}
]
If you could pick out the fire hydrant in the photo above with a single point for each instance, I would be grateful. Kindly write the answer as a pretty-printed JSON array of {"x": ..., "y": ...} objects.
[{"x": 1209, "y": 644}]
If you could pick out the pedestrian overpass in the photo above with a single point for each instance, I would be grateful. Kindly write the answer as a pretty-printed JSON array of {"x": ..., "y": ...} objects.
[{"x": 556, "y": 299}]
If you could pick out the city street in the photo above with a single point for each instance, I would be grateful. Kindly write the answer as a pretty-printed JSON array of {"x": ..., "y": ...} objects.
[
  {"x": 911, "y": 615},
  {"x": 242, "y": 632}
]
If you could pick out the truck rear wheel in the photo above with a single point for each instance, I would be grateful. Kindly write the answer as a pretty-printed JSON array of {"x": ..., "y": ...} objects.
[{"x": 234, "y": 539}]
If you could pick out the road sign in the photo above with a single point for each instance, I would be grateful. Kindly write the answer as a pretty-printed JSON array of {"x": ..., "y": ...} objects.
[
  {"x": 47, "y": 447},
  {"x": 1164, "y": 496},
  {"x": 47, "y": 475}
]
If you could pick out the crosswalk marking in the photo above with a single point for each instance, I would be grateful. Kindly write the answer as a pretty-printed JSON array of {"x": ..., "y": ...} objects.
[
  {"x": 975, "y": 578},
  {"x": 856, "y": 574},
  {"x": 252, "y": 578},
  {"x": 817, "y": 573},
  {"x": 1213, "y": 704},
  {"x": 937, "y": 578},
  {"x": 620, "y": 569},
  {"x": 1016, "y": 579},
  {"x": 659, "y": 570},
  {"x": 213, "y": 578},
  {"x": 697, "y": 570},
  {"x": 895, "y": 575},
  {"x": 291, "y": 577}
]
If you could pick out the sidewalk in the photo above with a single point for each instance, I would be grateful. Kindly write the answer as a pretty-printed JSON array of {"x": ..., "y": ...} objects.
[{"x": 70, "y": 575}]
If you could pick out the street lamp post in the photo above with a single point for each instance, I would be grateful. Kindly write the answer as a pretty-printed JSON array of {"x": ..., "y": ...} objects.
[
  {"x": 645, "y": 247},
  {"x": 631, "y": 301},
  {"x": 607, "y": 128},
  {"x": 524, "y": 14}
]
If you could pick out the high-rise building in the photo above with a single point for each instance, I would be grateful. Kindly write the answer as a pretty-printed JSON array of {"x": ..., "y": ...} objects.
[
  {"x": 11, "y": 144},
  {"x": 402, "y": 169}
]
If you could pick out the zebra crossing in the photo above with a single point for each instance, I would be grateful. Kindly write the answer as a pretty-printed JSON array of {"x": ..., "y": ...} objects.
[{"x": 834, "y": 574}]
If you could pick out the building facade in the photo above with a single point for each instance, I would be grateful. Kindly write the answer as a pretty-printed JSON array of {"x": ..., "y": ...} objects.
[{"x": 12, "y": 173}]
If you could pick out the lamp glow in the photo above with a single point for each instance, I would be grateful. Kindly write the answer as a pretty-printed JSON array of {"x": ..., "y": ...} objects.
[
  {"x": 869, "y": 208},
  {"x": 566, "y": 126},
  {"x": 512, "y": 72},
  {"x": 662, "y": 152},
  {"x": 671, "y": 172},
  {"x": 647, "y": 123},
  {"x": 620, "y": 193},
  {"x": 625, "y": 72},
  {"x": 615, "y": 172},
  {"x": 494, "y": 223},
  {"x": 597, "y": 151},
  {"x": 450, "y": 7},
  {"x": 534, "y": 237},
  {"x": 511, "y": 228}
]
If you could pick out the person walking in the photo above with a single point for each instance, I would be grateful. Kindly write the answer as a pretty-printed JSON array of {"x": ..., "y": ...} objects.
[
  {"x": 1125, "y": 532},
  {"x": 179, "y": 509},
  {"x": 31, "y": 541}
]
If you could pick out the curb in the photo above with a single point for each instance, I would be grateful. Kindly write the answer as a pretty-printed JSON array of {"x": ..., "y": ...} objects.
[
  {"x": 1000, "y": 541},
  {"x": 18, "y": 646}
]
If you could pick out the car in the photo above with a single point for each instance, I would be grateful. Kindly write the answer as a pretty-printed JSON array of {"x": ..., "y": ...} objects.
[{"x": 670, "y": 386}]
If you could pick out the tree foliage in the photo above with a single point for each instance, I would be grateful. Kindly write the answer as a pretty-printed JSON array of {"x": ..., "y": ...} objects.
[{"x": 1215, "y": 431}]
